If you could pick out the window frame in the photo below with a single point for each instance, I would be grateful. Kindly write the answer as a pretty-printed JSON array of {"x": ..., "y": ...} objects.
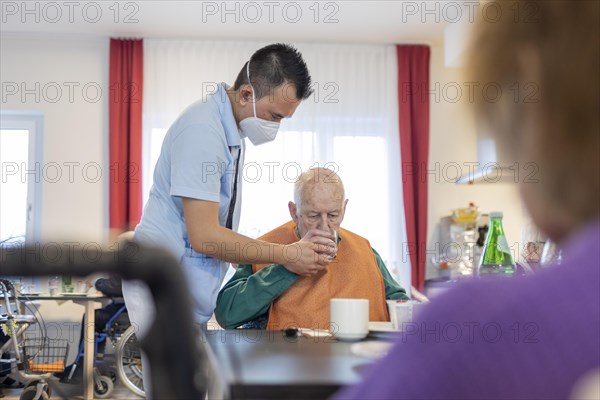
[{"x": 33, "y": 122}]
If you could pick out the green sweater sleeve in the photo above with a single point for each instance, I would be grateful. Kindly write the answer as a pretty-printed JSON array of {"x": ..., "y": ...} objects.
[
  {"x": 393, "y": 291},
  {"x": 247, "y": 296}
]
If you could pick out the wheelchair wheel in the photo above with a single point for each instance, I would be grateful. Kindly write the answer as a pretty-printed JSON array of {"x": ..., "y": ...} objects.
[
  {"x": 103, "y": 388},
  {"x": 129, "y": 362},
  {"x": 30, "y": 392},
  {"x": 113, "y": 376},
  {"x": 34, "y": 384}
]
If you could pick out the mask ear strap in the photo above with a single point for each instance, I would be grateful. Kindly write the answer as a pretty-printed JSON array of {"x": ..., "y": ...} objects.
[{"x": 253, "y": 91}]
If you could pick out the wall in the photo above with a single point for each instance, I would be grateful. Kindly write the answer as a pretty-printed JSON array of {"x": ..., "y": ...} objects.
[
  {"x": 453, "y": 142},
  {"x": 75, "y": 126},
  {"x": 74, "y": 205}
]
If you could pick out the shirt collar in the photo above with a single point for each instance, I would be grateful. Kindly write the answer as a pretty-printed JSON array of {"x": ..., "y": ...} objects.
[{"x": 232, "y": 133}]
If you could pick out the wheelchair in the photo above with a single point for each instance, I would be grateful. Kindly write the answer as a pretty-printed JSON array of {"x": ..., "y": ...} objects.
[
  {"x": 127, "y": 356},
  {"x": 129, "y": 362}
]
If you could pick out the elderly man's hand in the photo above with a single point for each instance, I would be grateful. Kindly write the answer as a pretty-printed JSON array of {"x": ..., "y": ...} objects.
[{"x": 310, "y": 255}]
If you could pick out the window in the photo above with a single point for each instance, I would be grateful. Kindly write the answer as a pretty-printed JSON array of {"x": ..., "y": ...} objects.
[
  {"x": 271, "y": 169},
  {"x": 20, "y": 158},
  {"x": 367, "y": 188},
  {"x": 150, "y": 153},
  {"x": 269, "y": 173}
]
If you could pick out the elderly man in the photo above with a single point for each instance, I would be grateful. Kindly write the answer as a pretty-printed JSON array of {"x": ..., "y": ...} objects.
[{"x": 273, "y": 297}]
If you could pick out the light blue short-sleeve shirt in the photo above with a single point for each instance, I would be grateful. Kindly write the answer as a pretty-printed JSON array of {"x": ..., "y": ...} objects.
[{"x": 197, "y": 160}]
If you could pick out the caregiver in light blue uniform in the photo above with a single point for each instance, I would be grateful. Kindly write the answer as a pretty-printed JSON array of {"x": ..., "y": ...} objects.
[
  {"x": 197, "y": 161},
  {"x": 194, "y": 205}
]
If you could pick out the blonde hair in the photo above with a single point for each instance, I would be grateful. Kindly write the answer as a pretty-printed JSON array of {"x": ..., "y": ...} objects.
[{"x": 564, "y": 37}]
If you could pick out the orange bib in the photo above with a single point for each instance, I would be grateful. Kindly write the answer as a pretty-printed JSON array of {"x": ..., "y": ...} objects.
[{"x": 353, "y": 274}]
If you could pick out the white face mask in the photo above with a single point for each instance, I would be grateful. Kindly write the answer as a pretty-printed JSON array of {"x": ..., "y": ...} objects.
[{"x": 256, "y": 129}]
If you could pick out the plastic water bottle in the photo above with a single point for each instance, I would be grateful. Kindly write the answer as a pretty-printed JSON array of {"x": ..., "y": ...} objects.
[
  {"x": 53, "y": 283},
  {"x": 496, "y": 259}
]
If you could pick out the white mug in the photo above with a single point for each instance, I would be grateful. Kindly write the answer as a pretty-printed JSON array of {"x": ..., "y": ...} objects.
[{"x": 349, "y": 318}]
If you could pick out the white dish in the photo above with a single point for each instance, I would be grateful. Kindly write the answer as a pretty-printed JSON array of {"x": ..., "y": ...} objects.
[
  {"x": 371, "y": 349},
  {"x": 350, "y": 336},
  {"x": 383, "y": 326}
]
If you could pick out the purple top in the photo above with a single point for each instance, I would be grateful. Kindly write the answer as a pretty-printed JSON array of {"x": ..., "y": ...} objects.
[{"x": 525, "y": 337}]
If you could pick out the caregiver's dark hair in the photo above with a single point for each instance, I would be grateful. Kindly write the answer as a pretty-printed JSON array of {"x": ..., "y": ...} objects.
[{"x": 274, "y": 65}]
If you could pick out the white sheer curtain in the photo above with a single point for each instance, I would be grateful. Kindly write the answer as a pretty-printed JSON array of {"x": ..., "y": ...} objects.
[{"x": 350, "y": 124}]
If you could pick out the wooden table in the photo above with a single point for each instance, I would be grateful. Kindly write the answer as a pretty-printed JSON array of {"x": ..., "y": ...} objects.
[
  {"x": 251, "y": 364},
  {"x": 89, "y": 332}
]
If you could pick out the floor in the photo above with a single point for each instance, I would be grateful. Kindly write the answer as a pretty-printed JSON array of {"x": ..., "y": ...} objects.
[{"x": 73, "y": 392}]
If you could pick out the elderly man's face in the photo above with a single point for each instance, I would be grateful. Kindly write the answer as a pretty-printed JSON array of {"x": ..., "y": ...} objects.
[{"x": 323, "y": 207}]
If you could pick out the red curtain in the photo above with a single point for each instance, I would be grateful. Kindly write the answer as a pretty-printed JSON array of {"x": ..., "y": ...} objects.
[
  {"x": 126, "y": 76},
  {"x": 413, "y": 99}
]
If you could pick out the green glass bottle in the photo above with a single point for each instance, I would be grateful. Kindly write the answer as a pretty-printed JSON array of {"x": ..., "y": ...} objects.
[
  {"x": 67, "y": 284},
  {"x": 496, "y": 259}
]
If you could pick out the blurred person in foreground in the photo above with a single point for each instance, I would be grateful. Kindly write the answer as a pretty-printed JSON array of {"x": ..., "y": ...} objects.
[
  {"x": 271, "y": 296},
  {"x": 534, "y": 337}
]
